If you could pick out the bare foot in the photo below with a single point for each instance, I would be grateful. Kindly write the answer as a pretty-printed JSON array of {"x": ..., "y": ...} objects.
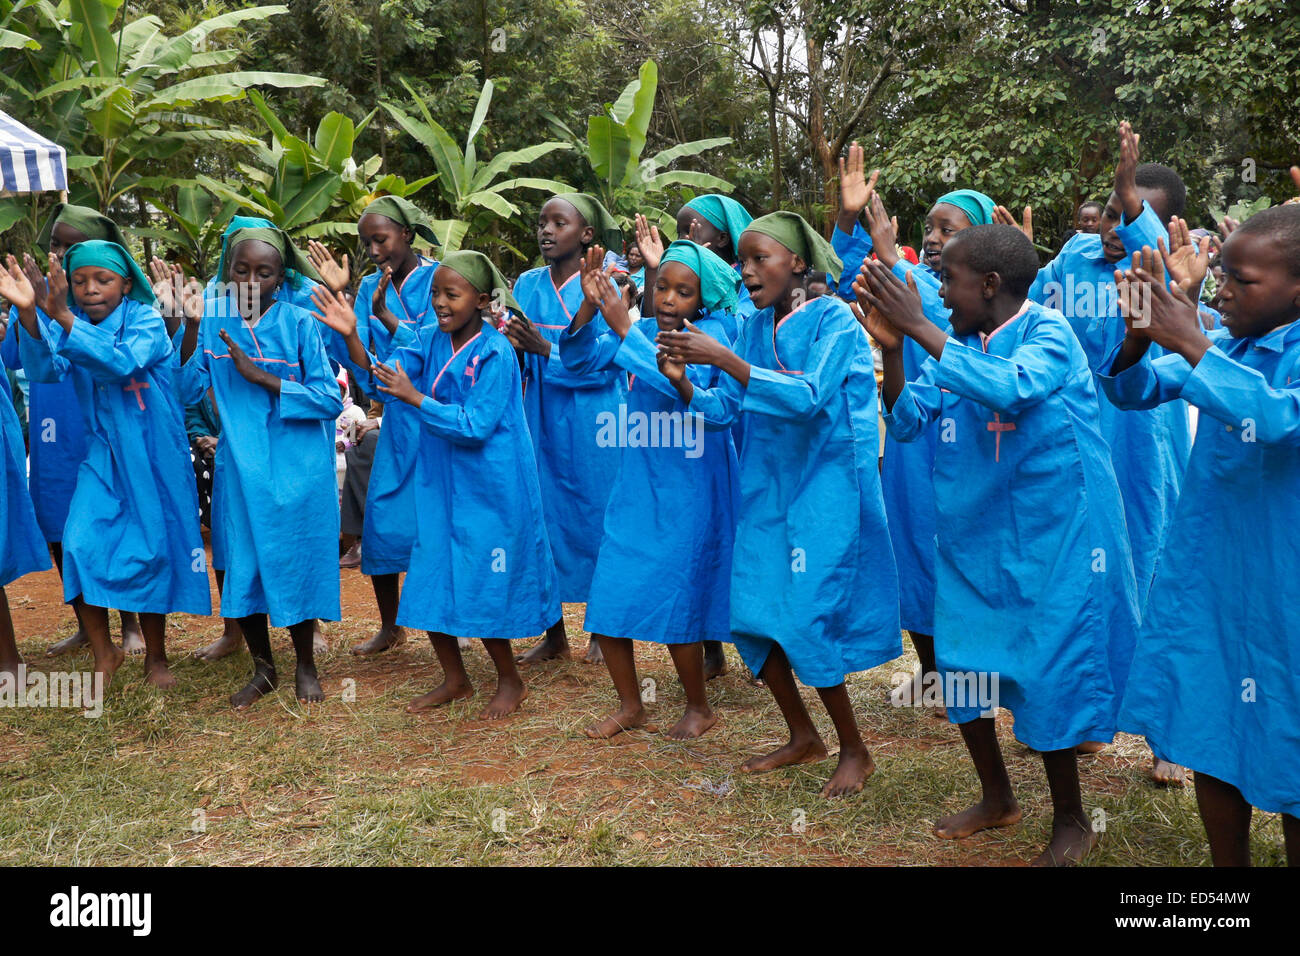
[
  {"x": 1090, "y": 747},
  {"x": 319, "y": 645},
  {"x": 694, "y": 723},
  {"x": 442, "y": 694},
  {"x": 68, "y": 644},
  {"x": 1071, "y": 841},
  {"x": 545, "y": 651},
  {"x": 230, "y": 641},
  {"x": 384, "y": 639},
  {"x": 920, "y": 692},
  {"x": 109, "y": 667},
  {"x": 715, "y": 661},
  {"x": 795, "y": 752},
  {"x": 264, "y": 681},
  {"x": 157, "y": 672},
  {"x": 593, "y": 655},
  {"x": 850, "y": 774},
  {"x": 306, "y": 684},
  {"x": 505, "y": 701},
  {"x": 1167, "y": 774},
  {"x": 983, "y": 816},
  {"x": 132, "y": 637},
  {"x": 616, "y": 723}
]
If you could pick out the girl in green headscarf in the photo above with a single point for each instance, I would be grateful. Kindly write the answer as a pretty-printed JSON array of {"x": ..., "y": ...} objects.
[{"x": 814, "y": 591}]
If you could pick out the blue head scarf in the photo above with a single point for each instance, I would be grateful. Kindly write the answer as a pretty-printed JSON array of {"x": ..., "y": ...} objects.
[
  {"x": 718, "y": 280},
  {"x": 977, "y": 206},
  {"x": 110, "y": 256}
]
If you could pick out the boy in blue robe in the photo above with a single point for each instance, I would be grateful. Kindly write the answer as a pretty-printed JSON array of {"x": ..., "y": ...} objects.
[
  {"x": 1213, "y": 684},
  {"x": 814, "y": 591},
  {"x": 394, "y": 297},
  {"x": 664, "y": 570},
  {"x": 1036, "y": 605},
  {"x": 274, "y": 492},
  {"x": 575, "y": 470},
  {"x": 481, "y": 565},
  {"x": 58, "y": 444},
  {"x": 132, "y": 537}
]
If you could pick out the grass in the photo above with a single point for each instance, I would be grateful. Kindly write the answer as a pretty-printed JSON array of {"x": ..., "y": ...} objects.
[{"x": 181, "y": 779}]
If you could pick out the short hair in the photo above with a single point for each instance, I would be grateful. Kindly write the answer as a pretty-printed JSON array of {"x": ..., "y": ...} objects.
[
  {"x": 1279, "y": 225},
  {"x": 1091, "y": 203},
  {"x": 1168, "y": 182},
  {"x": 1001, "y": 249}
]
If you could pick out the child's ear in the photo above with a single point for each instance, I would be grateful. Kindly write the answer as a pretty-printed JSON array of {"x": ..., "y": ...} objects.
[
  {"x": 408, "y": 234},
  {"x": 588, "y": 236},
  {"x": 126, "y": 285},
  {"x": 484, "y": 301},
  {"x": 992, "y": 283},
  {"x": 800, "y": 267}
]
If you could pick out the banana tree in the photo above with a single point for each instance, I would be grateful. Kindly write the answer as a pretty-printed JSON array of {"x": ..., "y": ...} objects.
[
  {"x": 471, "y": 189},
  {"x": 618, "y": 175}
]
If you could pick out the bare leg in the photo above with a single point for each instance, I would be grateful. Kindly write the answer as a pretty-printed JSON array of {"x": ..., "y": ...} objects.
[
  {"x": 306, "y": 682},
  {"x": 388, "y": 595},
  {"x": 108, "y": 656},
  {"x": 9, "y": 656},
  {"x": 1226, "y": 817},
  {"x": 1072, "y": 833},
  {"x": 805, "y": 744},
  {"x": 231, "y": 639},
  {"x": 715, "y": 660},
  {"x": 511, "y": 691},
  {"x": 998, "y": 806},
  {"x": 78, "y": 639},
  {"x": 913, "y": 693},
  {"x": 264, "y": 680},
  {"x": 132, "y": 635},
  {"x": 855, "y": 763},
  {"x": 554, "y": 645},
  {"x": 692, "y": 669},
  {"x": 156, "y": 671},
  {"x": 1291, "y": 835},
  {"x": 620, "y": 660},
  {"x": 455, "y": 679}
]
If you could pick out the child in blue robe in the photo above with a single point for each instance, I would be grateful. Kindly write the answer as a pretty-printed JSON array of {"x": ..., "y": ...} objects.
[
  {"x": 22, "y": 546},
  {"x": 274, "y": 491},
  {"x": 716, "y": 222},
  {"x": 58, "y": 442},
  {"x": 575, "y": 470},
  {"x": 814, "y": 592},
  {"x": 1213, "y": 684},
  {"x": 1036, "y": 605},
  {"x": 664, "y": 570},
  {"x": 132, "y": 537},
  {"x": 393, "y": 298},
  {"x": 481, "y": 565}
]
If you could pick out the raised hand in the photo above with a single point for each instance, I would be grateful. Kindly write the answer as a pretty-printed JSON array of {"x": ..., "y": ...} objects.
[
  {"x": 1227, "y": 226},
  {"x": 1295, "y": 178},
  {"x": 1126, "y": 171},
  {"x": 884, "y": 231},
  {"x": 878, "y": 327},
  {"x": 898, "y": 303},
  {"x": 15, "y": 287},
  {"x": 1160, "y": 312},
  {"x": 673, "y": 369},
  {"x": 335, "y": 313},
  {"x": 855, "y": 189},
  {"x": 692, "y": 347},
  {"x": 648, "y": 241},
  {"x": 1003, "y": 217},
  {"x": 394, "y": 381},
  {"x": 243, "y": 364},
  {"x": 192, "y": 299},
  {"x": 1187, "y": 261},
  {"x": 335, "y": 275},
  {"x": 56, "y": 295},
  {"x": 164, "y": 286},
  {"x": 37, "y": 279}
]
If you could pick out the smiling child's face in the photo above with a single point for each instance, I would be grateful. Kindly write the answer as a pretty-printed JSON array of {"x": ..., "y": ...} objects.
[
  {"x": 963, "y": 290},
  {"x": 455, "y": 301},
  {"x": 561, "y": 230},
  {"x": 387, "y": 243},
  {"x": 768, "y": 269},
  {"x": 941, "y": 223},
  {"x": 98, "y": 291},
  {"x": 1259, "y": 291},
  {"x": 677, "y": 296}
]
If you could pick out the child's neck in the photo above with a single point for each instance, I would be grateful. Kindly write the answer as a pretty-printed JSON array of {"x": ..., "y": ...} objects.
[
  {"x": 562, "y": 270},
  {"x": 406, "y": 267},
  {"x": 786, "y": 304},
  {"x": 1001, "y": 311},
  {"x": 461, "y": 337}
]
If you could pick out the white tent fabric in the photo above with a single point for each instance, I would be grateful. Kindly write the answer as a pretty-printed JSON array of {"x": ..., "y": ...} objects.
[{"x": 29, "y": 162}]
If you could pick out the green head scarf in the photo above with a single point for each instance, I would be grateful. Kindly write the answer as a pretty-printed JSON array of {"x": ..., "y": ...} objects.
[
  {"x": 977, "y": 206},
  {"x": 478, "y": 270},
  {"x": 792, "y": 231},
  {"x": 294, "y": 261},
  {"x": 111, "y": 256},
  {"x": 404, "y": 213},
  {"x": 85, "y": 220},
  {"x": 717, "y": 279},
  {"x": 723, "y": 213},
  {"x": 607, "y": 232}
]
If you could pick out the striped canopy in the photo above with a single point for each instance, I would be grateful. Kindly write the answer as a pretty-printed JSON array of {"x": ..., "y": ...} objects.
[{"x": 29, "y": 162}]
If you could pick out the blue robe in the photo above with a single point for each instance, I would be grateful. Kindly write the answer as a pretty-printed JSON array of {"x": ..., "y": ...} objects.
[
  {"x": 22, "y": 547},
  {"x": 132, "y": 537},
  {"x": 1148, "y": 448},
  {"x": 1214, "y": 681},
  {"x": 664, "y": 570},
  {"x": 388, "y": 533},
  {"x": 481, "y": 565},
  {"x": 57, "y": 440},
  {"x": 812, "y": 567},
  {"x": 1035, "y": 577},
  {"x": 575, "y": 472},
  {"x": 275, "y": 491}
]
